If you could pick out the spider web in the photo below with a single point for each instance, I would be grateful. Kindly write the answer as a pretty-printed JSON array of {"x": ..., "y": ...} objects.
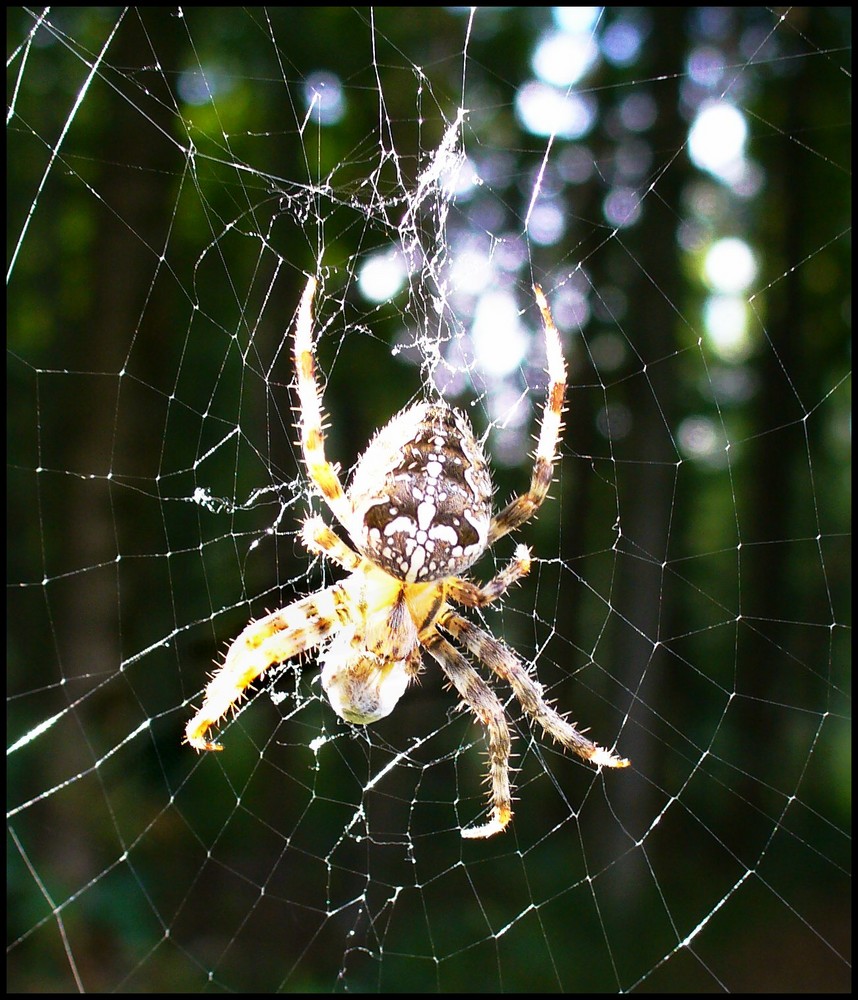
[{"x": 174, "y": 177}]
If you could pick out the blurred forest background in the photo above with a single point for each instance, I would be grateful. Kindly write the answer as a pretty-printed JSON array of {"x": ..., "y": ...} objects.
[{"x": 171, "y": 183}]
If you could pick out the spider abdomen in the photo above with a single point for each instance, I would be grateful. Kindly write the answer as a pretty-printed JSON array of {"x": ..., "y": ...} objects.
[{"x": 421, "y": 495}]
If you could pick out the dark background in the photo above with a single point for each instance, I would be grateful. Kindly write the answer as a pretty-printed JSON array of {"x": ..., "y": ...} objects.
[{"x": 694, "y": 611}]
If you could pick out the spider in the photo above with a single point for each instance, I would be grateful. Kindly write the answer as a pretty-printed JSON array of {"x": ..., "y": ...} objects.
[{"x": 418, "y": 512}]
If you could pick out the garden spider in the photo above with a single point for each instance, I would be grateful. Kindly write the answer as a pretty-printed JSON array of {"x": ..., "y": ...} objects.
[{"x": 418, "y": 511}]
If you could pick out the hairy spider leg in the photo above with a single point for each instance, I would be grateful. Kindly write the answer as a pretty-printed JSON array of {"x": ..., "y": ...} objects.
[
  {"x": 268, "y": 641},
  {"x": 485, "y": 705},
  {"x": 320, "y": 470},
  {"x": 321, "y": 540},
  {"x": 472, "y": 595},
  {"x": 502, "y": 662},
  {"x": 523, "y": 507}
]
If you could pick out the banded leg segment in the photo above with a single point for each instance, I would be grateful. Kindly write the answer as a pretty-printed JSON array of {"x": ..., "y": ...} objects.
[
  {"x": 528, "y": 691},
  {"x": 525, "y": 506},
  {"x": 484, "y": 703},
  {"x": 264, "y": 643},
  {"x": 472, "y": 595},
  {"x": 320, "y": 470},
  {"x": 319, "y": 539}
]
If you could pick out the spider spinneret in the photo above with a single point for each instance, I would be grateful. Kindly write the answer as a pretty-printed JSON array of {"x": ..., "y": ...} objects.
[{"x": 418, "y": 511}]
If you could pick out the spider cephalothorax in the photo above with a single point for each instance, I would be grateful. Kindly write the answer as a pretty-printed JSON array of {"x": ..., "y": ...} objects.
[{"x": 418, "y": 511}]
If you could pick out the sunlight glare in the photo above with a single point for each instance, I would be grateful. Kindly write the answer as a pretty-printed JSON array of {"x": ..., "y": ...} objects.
[
  {"x": 500, "y": 343},
  {"x": 716, "y": 140}
]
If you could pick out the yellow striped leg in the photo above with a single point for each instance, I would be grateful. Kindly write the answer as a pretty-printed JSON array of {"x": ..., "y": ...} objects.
[
  {"x": 484, "y": 703},
  {"x": 525, "y": 506},
  {"x": 265, "y": 643},
  {"x": 320, "y": 470},
  {"x": 319, "y": 539},
  {"x": 528, "y": 691},
  {"x": 472, "y": 595}
]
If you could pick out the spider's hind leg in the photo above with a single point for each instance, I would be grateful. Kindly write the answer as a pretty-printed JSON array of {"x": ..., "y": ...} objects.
[
  {"x": 312, "y": 419},
  {"x": 523, "y": 507}
]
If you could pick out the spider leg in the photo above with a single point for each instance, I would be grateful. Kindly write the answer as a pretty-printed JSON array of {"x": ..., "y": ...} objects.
[
  {"x": 527, "y": 690},
  {"x": 319, "y": 539},
  {"x": 270, "y": 640},
  {"x": 320, "y": 470},
  {"x": 525, "y": 506},
  {"x": 474, "y": 596},
  {"x": 484, "y": 703}
]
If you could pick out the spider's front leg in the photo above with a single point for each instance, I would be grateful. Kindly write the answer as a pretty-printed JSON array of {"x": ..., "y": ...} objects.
[
  {"x": 528, "y": 691},
  {"x": 486, "y": 706},
  {"x": 264, "y": 643}
]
